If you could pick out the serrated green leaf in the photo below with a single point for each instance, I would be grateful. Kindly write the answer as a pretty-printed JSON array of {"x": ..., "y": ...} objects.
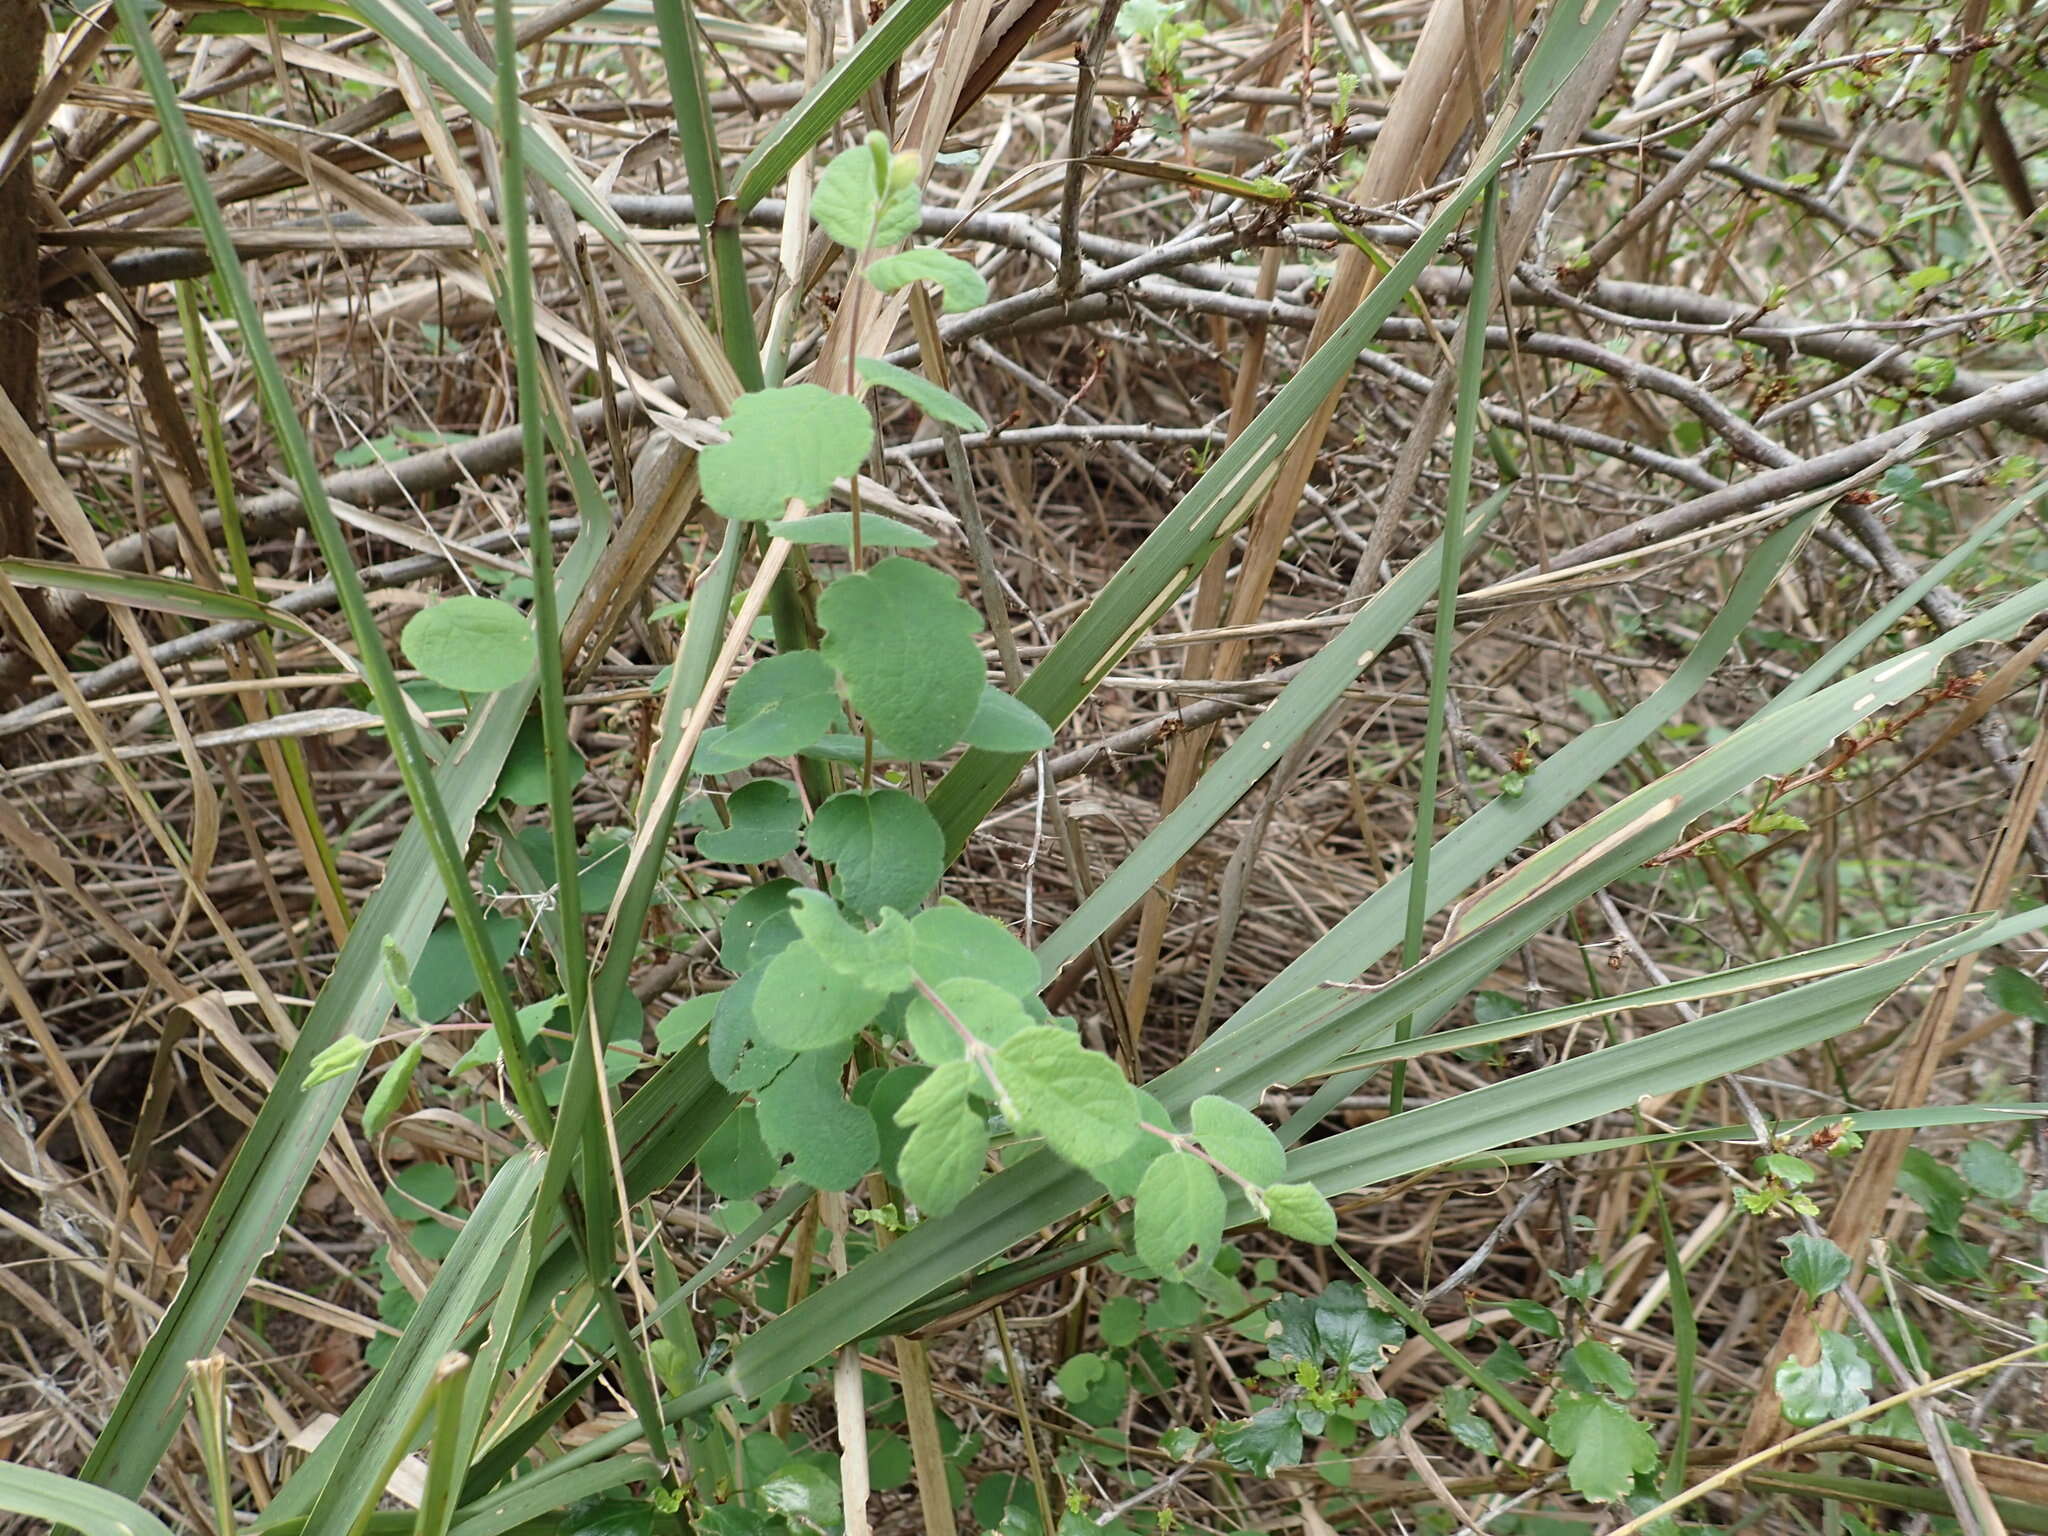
[
  {"x": 884, "y": 848},
  {"x": 1605, "y": 1448},
  {"x": 804, "y": 1004},
  {"x": 836, "y": 528},
  {"x": 1935, "y": 1189},
  {"x": 470, "y": 644},
  {"x": 805, "y": 1115},
  {"x": 1179, "y": 1207},
  {"x": 783, "y": 445},
  {"x": 766, "y": 817},
  {"x": 1837, "y": 1383},
  {"x": 1815, "y": 1265},
  {"x": 1338, "y": 1328},
  {"x": 1269, "y": 1441},
  {"x": 903, "y": 638},
  {"x": 987, "y": 1012},
  {"x": 860, "y": 204},
  {"x": 777, "y": 708},
  {"x": 1238, "y": 1139},
  {"x": 1467, "y": 1427},
  {"x": 1074, "y": 1097},
  {"x": 963, "y": 287},
  {"x": 390, "y": 1091},
  {"x": 1300, "y": 1211},
  {"x": 1004, "y": 724},
  {"x": 935, "y": 400}
]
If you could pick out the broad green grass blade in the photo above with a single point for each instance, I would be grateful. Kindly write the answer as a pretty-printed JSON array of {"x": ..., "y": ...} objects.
[
  {"x": 841, "y": 86},
  {"x": 1132, "y": 600},
  {"x": 1740, "y": 978},
  {"x": 426, "y": 869},
  {"x": 1601, "y": 1082},
  {"x": 159, "y": 594},
  {"x": 66, "y": 1504},
  {"x": 346, "y": 1465},
  {"x": 1506, "y": 823},
  {"x": 1257, "y": 749}
]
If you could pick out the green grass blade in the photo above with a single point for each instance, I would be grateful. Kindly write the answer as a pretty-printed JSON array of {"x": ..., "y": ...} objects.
[
  {"x": 347, "y": 1465},
  {"x": 838, "y": 89},
  {"x": 65, "y": 1503},
  {"x": 1258, "y": 748}
]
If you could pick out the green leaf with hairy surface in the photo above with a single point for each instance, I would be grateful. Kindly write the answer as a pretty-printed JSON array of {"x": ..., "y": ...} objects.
[
  {"x": 963, "y": 287},
  {"x": 948, "y": 940},
  {"x": 878, "y": 958},
  {"x": 778, "y": 707},
  {"x": 470, "y": 644},
  {"x": 805, "y": 1115},
  {"x": 1300, "y": 1211},
  {"x": 836, "y": 528},
  {"x": 1179, "y": 1208},
  {"x": 1074, "y": 1097},
  {"x": 934, "y": 399},
  {"x": 783, "y": 445},
  {"x": 767, "y": 816},
  {"x": 1604, "y": 1447},
  {"x": 391, "y": 1090},
  {"x": 867, "y": 198},
  {"x": 1238, "y": 1139},
  {"x": 903, "y": 638},
  {"x": 942, "y": 1160},
  {"x": 1004, "y": 724},
  {"x": 805, "y": 1004},
  {"x": 1815, "y": 1265},
  {"x": 340, "y": 1059},
  {"x": 1837, "y": 1383},
  {"x": 884, "y": 848},
  {"x": 987, "y": 1012},
  {"x": 1122, "y": 1174}
]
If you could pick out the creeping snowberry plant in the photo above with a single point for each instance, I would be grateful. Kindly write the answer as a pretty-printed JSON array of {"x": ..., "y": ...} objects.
[{"x": 862, "y": 974}]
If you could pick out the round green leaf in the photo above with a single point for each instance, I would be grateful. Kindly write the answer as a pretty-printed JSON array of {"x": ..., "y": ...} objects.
[
  {"x": 782, "y": 445},
  {"x": 471, "y": 644},
  {"x": 778, "y": 707},
  {"x": 885, "y": 848},
  {"x": 865, "y": 198},
  {"x": 765, "y": 817},
  {"x": 903, "y": 639}
]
